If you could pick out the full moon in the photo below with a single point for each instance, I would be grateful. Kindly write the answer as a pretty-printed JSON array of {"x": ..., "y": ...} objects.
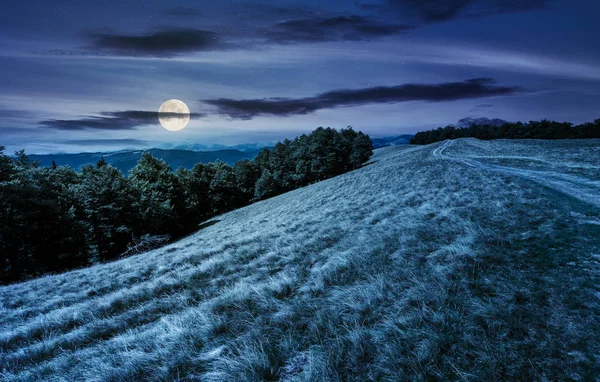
[{"x": 174, "y": 115}]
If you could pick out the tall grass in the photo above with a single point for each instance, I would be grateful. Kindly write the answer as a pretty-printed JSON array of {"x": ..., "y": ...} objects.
[{"x": 411, "y": 268}]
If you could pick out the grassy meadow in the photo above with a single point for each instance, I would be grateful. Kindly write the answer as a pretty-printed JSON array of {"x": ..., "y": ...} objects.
[{"x": 415, "y": 267}]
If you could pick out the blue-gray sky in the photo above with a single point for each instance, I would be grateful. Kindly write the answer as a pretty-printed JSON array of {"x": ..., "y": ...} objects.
[{"x": 88, "y": 76}]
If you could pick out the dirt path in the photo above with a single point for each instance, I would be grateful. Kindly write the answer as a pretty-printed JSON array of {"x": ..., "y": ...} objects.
[{"x": 583, "y": 189}]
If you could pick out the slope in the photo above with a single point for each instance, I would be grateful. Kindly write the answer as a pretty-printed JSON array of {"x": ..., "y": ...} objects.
[{"x": 416, "y": 266}]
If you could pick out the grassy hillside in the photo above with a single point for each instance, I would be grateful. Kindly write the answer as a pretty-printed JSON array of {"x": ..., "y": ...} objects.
[{"x": 461, "y": 260}]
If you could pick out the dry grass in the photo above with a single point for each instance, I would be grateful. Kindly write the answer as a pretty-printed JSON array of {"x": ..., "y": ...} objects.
[{"x": 411, "y": 268}]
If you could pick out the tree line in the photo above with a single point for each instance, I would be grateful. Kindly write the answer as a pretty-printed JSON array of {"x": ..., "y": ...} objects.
[
  {"x": 518, "y": 130},
  {"x": 54, "y": 219}
]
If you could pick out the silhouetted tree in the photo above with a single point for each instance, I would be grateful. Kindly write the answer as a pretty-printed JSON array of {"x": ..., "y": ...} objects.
[
  {"x": 362, "y": 150},
  {"x": 224, "y": 193},
  {"x": 266, "y": 186},
  {"x": 543, "y": 129},
  {"x": 107, "y": 202},
  {"x": 282, "y": 165},
  {"x": 198, "y": 190},
  {"x": 38, "y": 228},
  {"x": 246, "y": 175},
  {"x": 54, "y": 219},
  {"x": 155, "y": 183}
]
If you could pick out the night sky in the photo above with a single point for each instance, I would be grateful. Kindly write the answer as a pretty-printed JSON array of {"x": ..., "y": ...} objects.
[{"x": 91, "y": 75}]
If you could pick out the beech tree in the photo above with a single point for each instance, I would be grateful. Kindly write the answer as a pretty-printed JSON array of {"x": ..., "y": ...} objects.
[
  {"x": 54, "y": 219},
  {"x": 223, "y": 189},
  {"x": 543, "y": 129},
  {"x": 198, "y": 190},
  {"x": 362, "y": 150},
  {"x": 246, "y": 175},
  {"x": 155, "y": 186},
  {"x": 39, "y": 231},
  {"x": 107, "y": 204}
]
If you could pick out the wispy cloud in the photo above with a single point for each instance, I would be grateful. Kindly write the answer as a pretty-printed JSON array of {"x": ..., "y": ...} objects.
[
  {"x": 116, "y": 120},
  {"x": 483, "y": 106},
  {"x": 271, "y": 25},
  {"x": 107, "y": 142},
  {"x": 450, "y": 91},
  {"x": 172, "y": 42},
  {"x": 184, "y": 12},
  {"x": 6, "y": 113},
  {"x": 340, "y": 28},
  {"x": 164, "y": 43},
  {"x": 460, "y": 54},
  {"x": 513, "y": 61},
  {"x": 468, "y": 121},
  {"x": 431, "y": 11}
]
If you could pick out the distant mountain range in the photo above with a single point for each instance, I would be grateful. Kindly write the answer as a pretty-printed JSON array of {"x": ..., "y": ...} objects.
[
  {"x": 215, "y": 147},
  {"x": 392, "y": 141},
  {"x": 125, "y": 160},
  {"x": 250, "y": 147},
  {"x": 182, "y": 154}
]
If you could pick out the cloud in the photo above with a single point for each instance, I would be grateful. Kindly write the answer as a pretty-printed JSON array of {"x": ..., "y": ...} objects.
[
  {"x": 15, "y": 114},
  {"x": 184, "y": 12},
  {"x": 277, "y": 25},
  {"x": 115, "y": 120},
  {"x": 483, "y": 106},
  {"x": 250, "y": 108},
  {"x": 107, "y": 142},
  {"x": 466, "y": 122},
  {"x": 340, "y": 28},
  {"x": 171, "y": 42},
  {"x": 165, "y": 43},
  {"x": 266, "y": 12},
  {"x": 430, "y": 11},
  {"x": 490, "y": 7}
]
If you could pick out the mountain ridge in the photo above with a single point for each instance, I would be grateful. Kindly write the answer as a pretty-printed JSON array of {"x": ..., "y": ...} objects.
[
  {"x": 182, "y": 155},
  {"x": 125, "y": 160},
  {"x": 393, "y": 140}
]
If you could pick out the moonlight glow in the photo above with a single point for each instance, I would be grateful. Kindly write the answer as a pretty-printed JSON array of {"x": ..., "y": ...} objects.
[{"x": 174, "y": 115}]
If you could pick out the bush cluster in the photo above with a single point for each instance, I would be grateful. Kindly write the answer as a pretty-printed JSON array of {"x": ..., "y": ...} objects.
[{"x": 518, "y": 130}]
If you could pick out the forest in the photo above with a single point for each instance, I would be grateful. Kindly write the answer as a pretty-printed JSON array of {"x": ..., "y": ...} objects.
[
  {"x": 54, "y": 219},
  {"x": 518, "y": 130}
]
